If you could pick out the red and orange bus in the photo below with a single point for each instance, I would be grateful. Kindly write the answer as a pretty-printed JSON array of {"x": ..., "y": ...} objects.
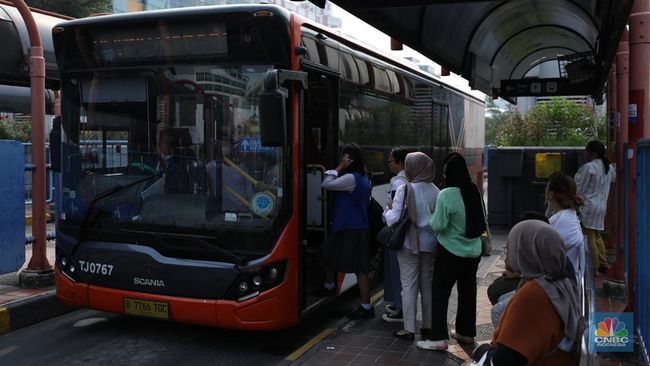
[{"x": 209, "y": 209}]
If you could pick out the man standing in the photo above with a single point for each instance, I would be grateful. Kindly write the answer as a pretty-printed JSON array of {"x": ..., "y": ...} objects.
[{"x": 593, "y": 180}]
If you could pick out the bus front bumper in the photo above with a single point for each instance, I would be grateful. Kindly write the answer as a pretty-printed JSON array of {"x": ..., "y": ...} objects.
[{"x": 273, "y": 309}]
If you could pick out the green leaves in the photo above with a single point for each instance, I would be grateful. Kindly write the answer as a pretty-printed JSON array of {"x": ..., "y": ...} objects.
[
  {"x": 73, "y": 8},
  {"x": 558, "y": 122},
  {"x": 20, "y": 131}
]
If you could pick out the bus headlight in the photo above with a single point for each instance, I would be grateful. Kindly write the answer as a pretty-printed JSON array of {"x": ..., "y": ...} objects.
[
  {"x": 66, "y": 265},
  {"x": 252, "y": 282},
  {"x": 273, "y": 274},
  {"x": 243, "y": 287}
]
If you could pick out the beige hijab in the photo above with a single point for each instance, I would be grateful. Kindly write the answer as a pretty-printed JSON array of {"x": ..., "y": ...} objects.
[
  {"x": 537, "y": 251},
  {"x": 418, "y": 168}
]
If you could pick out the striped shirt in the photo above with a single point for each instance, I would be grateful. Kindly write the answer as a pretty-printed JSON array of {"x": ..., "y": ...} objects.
[{"x": 593, "y": 186}]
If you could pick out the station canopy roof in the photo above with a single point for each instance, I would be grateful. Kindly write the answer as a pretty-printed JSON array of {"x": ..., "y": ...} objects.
[
  {"x": 490, "y": 41},
  {"x": 15, "y": 44}
]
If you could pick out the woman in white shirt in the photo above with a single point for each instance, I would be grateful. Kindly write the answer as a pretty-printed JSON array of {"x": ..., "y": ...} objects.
[
  {"x": 416, "y": 257},
  {"x": 593, "y": 180},
  {"x": 563, "y": 203}
]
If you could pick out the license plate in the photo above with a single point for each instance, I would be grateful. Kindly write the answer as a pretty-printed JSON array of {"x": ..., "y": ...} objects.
[{"x": 150, "y": 309}]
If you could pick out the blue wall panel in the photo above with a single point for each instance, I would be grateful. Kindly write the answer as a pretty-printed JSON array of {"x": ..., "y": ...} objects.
[
  {"x": 12, "y": 206},
  {"x": 643, "y": 244}
]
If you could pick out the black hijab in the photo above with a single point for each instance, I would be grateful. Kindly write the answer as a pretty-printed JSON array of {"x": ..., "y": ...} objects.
[{"x": 456, "y": 174}]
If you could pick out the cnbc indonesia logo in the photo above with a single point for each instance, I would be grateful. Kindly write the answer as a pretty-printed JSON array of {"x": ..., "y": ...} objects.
[{"x": 611, "y": 333}]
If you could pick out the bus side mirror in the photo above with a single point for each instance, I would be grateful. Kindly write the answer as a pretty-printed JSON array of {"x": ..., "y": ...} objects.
[{"x": 273, "y": 112}]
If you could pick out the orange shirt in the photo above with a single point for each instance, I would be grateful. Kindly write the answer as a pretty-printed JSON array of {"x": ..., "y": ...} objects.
[{"x": 531, "y": 326}]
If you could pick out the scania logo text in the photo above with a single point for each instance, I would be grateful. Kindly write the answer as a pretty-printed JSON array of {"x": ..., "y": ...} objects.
[{"x": 148, "y": 282}]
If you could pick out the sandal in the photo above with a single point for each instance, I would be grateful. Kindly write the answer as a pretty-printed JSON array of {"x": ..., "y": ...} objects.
[{"x": 404, "y": 334}]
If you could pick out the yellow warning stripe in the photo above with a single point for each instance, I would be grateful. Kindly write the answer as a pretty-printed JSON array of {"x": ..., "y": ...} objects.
[
  {"x": 5, "y": 323},
  {"x": 311, "y": 343},
  {"x": 376, "y": 296}
]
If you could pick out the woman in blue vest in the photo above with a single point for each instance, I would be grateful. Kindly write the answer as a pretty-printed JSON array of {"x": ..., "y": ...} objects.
[{"x": 346, "y": 250}]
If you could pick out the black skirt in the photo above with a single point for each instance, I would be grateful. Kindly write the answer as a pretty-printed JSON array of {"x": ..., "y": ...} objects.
[{"x": 347, "y": 251}]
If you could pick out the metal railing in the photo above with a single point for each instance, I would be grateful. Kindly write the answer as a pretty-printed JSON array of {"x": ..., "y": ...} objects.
[
  {"x": 29, "y": 168},
  {"x": 115, "y": 154},
  {"x": 588, "y": 289},
  {"x": 97, "y": 154}
]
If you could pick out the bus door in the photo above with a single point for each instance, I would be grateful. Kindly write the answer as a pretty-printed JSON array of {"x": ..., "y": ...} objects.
[{"x": 320, "y": 152}]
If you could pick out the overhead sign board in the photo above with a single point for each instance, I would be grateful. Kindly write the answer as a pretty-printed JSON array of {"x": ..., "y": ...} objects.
[
  {"x": 542, "y": 87},
  {"x": 253, "y": 144}
]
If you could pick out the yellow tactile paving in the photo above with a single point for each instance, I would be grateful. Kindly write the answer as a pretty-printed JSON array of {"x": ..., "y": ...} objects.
[{"x": 5, "y": 322}]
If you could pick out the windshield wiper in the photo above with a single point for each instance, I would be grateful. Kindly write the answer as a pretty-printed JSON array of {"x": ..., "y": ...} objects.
[
  {"x": 101, "y": 195},
  {"x": 237, "y": 259}
]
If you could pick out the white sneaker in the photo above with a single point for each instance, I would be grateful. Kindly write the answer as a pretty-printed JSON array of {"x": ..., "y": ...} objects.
[
  {"x": 392, "y": 309},
  {"x": 396, "y": 317},
  {"x": 441, "y": 345}
]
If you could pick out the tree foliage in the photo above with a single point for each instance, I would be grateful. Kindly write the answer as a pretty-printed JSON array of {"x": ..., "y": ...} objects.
[
  {"x": 73, "y": 8},
  {"x": 20, "y": 131},
  {"x": 558, "y": 122}
]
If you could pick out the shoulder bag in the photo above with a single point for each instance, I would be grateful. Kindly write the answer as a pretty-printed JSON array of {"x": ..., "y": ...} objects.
[
  {"x": 392, "y": 237},
  {"x": 486, "y": 245}
]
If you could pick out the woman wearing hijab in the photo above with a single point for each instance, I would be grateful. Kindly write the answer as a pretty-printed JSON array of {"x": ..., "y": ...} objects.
[
  {"x": 416, "y": 257},
  {"x": 593, "y": 180},
  {"x": 458, "y": 222},
  {"x": 542, "y": 324}
]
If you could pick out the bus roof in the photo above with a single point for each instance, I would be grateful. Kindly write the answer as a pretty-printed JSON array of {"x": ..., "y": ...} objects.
[
  {"x": 15, "y": 45},
  {"x": 382, "y": 55},
  {"x": 186, "y": 12}
]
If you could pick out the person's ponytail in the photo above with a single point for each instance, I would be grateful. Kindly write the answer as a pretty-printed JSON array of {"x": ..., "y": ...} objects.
[{"x": 606, "y": 163}]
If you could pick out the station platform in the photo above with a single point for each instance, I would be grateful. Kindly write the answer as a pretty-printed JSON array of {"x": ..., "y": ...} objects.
[
  {"x": 371, "y": 342},
  {"x": 20, "y": 307}
]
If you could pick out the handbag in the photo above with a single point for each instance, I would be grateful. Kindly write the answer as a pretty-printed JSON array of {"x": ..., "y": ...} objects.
[
  {"x": 481, "y": 356},
  {"x": 392, "y": 237}
]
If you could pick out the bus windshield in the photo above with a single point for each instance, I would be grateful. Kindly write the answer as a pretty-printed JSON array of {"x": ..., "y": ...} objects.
[{"x": 195, "y": 129}]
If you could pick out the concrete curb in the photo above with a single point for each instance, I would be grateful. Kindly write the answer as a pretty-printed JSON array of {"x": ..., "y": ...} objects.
[{"x": 25, "y": 312}]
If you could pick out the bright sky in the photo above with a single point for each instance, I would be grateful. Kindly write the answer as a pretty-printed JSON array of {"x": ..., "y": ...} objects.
[{"x": 356, "y": 28}]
